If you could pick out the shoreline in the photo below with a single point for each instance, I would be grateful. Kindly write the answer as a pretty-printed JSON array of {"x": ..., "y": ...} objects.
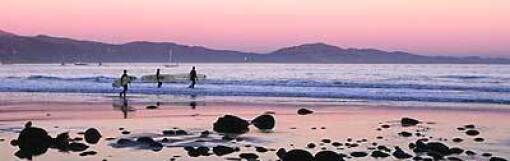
[{"x": 291, "y": 131}]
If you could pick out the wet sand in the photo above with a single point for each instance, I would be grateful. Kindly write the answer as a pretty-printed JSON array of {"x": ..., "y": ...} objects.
[{"x": 292, "y": 131}]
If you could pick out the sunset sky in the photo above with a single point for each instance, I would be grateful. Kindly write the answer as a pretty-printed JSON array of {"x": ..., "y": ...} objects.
[{"x": 431, "y": 27}]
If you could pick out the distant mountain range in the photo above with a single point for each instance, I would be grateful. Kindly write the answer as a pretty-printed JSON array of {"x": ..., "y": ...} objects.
[{"x": 48, "y": 49}]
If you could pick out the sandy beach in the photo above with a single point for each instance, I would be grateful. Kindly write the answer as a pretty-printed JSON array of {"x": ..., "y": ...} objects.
[{"x": 328, "y": 124}]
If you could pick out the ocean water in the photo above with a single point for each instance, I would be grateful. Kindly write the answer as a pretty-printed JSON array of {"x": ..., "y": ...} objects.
[{"x": 395, "y": 83}]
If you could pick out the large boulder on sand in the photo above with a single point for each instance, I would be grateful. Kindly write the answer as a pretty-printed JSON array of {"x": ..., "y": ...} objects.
[
  {"x": 230, "y": 124},
  {"x": 264, "y": 122},
  {"x": 32, "y": 141}
]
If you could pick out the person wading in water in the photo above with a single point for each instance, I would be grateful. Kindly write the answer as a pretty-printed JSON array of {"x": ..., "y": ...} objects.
[
  {"x": 124, "y": 81},
  {"x": 158, "y": 79},
  {"x": 193, "y": 77}
]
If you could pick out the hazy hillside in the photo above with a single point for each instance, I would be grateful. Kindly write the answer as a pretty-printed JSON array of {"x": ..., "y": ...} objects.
[{"x": 47, "y": 49}]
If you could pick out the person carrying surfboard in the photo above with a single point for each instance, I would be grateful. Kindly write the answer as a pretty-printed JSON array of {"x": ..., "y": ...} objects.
[
  {"x": 158, "y": 79},
  {"x": 124, "y": 81},
  {"x": 193, "y": 77}
]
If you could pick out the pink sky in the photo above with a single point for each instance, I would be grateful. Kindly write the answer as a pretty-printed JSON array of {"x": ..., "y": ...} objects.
[{"x": 437, "y": 27}]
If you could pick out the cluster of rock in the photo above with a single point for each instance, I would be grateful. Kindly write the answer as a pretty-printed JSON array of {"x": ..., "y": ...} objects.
[{"x": 33, "y": 141}]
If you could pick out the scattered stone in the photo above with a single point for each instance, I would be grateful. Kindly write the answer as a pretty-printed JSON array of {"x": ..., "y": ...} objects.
[
  {"x": 497, "y": 159},
  {"x": 223, "y": 150},
  {"x": 327, "y": 141},
  {"x": 87, "y": 153},
  {"x": 385, "y": 126},
  {"x": 181, "y": 132},
  {"x": 78, "y": 147},
  {"x": 456, "y": 150},
  {"x": 472, "y": 132},
  {"x": 264, "y": 122},
  {"x": 125, "y": 132},
  {"x": 261, "y": 149},
  {"x": 327, "y": 156},
  {"x": 92, "y": 136},
  {"x": 408, "y": 122},
  {"x": 457, "y": 140},
  {"x": 486, "y": 154},
  {"x": 379, "y": 154},
  {"x": 297, "y": 155},
  {"x": 230, "y": 124},
  {"x": 470, "y": 153},
  {"x": 359, "y": 154},
  {"x": 400, "y": 154},
  {"x": 248, "y": 156},
  {"x": 405, "y": 134},
  {"x": 151, "y": 107},
  {"x": 336, "y": 144},
  {"x": 471, "y": 126},
  {"x": 304, "y": 111},
  {"x": 479, "y": 139},
  {"x": 311, "y": 145}
]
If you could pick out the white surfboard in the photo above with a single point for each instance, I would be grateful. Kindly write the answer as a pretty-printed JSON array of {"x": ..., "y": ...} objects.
[
  {"x": 169, "y": 78},
  {"x": 118, "y": 84}
]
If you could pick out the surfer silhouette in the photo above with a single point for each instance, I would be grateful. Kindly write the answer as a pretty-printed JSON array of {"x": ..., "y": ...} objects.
[
  {"x": 124, "y": 81},
  {"x": 192, "y": 77},
  {"x": 158, "y": 79}
]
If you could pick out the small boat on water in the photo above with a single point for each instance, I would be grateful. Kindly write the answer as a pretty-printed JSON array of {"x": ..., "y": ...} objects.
[
  {"x": 80, "y": 64},
  {"x": 170, "y": 59}
]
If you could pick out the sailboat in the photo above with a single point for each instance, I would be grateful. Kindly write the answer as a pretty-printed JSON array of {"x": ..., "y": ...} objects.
[{"x": 170, "y": 56}]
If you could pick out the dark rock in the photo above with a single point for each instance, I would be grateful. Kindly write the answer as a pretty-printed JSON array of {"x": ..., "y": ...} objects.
[
  {"x": 204, "y": 151},
  {"x": 438, "y": 147},
  {"x": 297, "y": 155},
  {"x": 359, "y": 154},
  {"x": 223, "y": 150},
  {"x": 379, "y": 154},
  {"x": 311, "y": 145},
  {"x": 264, "y": 122},
  {"x": 455, "y": 150},
  {"x": 78, "y": 147},
  {"x": 405, "y": 134},
  {"x": 181, "y": 132},
  {"x": 304, "y": 111},
  {"x": 486, "y": 154},
  {"x": 248, "y": 156},
  {"x": 408, "y": 121},
  {"x": 327, "y": 156},
  {"x": 470, "y": 153},
  {"x": 457, "y": 140},
  {"x": 400, "y": 154},
  {"x": 327, "y": 141},
  {"x": 32, "y": 141},
  {"x": 151, "y": 107},
  {"x": 497, "y": 159},
  {"x": 92, "y": 136},
  {"x": 454, "y": 159},
  {"x": 87, "y": 153},
  {"x": 471, "y": 126},
  {"x": 385, "y": 126},
  {"x": 169, "y": 132},
  {"x": 336, "y": 144},
  {"x": 261, "y": 149},
  {"x": 472, "y": 132},
  {"x": 229, "y": 124},
  {"x": 125, "y": 132},
  {"x": 479, "y": 139},
  {"x": 281, "y": 152}
]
